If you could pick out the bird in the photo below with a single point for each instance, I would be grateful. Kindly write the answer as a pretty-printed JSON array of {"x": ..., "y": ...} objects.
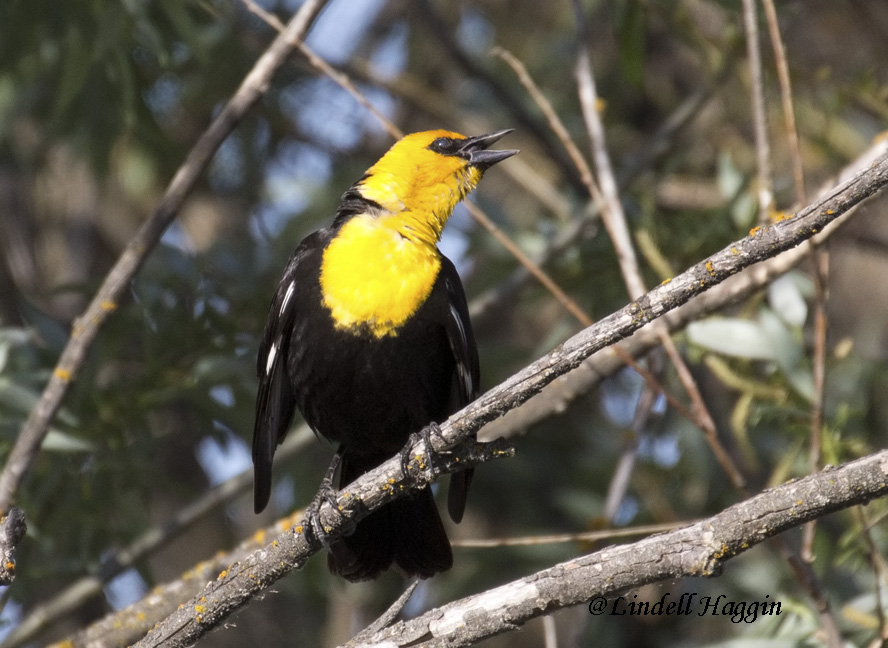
[{"x": 368, "y": 335}]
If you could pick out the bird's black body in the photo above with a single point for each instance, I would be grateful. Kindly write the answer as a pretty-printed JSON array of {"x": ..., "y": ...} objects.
[{"x": 368, "y": 395}]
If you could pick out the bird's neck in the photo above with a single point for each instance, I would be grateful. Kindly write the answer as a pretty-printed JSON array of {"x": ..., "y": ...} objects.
[{"x": 419, "y": 208}]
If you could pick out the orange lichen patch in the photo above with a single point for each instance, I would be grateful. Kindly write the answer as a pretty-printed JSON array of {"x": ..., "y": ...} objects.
[
  {"x": 735, "y": 251},
  {"x": 291, "y": 521},
  {"x": 108, "y": 306},
  {"x": 777, "y": 215},
  {"x": 62, "y": 374},
  {"x": 666, "y": 281},
  {"x": 9, "y": 566},
  {"x": 222, "y": 574},
  {"x": 200, "y": 608},
  {"x": 710, "y": 268},
  {"x": 755, "y": 230}
]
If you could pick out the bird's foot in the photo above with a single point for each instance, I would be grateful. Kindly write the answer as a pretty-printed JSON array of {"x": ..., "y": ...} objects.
[
  {"x": 425, "y": 435},
  {"x": 315, "y": 529}
]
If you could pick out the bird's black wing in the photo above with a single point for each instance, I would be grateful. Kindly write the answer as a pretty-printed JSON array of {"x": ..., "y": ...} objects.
[
  {"x": 276, "y": 401},
  {"x": 468, "y": 372}
]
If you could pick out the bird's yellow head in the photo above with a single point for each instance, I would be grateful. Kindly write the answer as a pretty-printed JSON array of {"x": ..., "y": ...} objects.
[{"x": 424, "y": 175}]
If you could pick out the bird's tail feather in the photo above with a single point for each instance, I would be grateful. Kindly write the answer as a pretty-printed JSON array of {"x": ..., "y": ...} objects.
[{"x": 407, "y": 532}]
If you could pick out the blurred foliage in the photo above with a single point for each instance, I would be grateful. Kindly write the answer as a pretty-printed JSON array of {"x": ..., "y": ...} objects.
[{"x": 99, "y": 103}]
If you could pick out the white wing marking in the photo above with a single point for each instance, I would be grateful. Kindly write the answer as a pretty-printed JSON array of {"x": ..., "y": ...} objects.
[
  {"x": 269, "y": 362},
  {"x": 287, "y": 298}
]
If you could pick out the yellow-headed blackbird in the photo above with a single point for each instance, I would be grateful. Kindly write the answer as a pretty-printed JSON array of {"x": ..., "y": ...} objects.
[{"x": 369, "y": 336}]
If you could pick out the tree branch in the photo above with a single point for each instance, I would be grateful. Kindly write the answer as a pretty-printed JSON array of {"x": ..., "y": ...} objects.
[
  {"x": 12, "y": 530},
  {"x": 700, "y": 549},
  {"x": 240, "y": 582}
]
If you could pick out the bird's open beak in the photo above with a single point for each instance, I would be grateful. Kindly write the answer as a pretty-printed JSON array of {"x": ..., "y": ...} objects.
[{"x": 475, "y": 150}]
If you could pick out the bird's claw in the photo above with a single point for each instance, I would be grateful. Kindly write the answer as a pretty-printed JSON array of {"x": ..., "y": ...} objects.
[
  {"x": 315, "y": 529},
  {"x": 425, "y": 435}
]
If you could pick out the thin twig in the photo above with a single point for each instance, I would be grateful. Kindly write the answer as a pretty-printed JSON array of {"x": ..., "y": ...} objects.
[
  {"x": 557, "y": 538},
  {"x": 800, "y": 563},
  {"x": 760, "y": 120},
  {"x": 820, "y": 270},
  {"x": 622, "y": 475},
  {"x": 87, "y": 327},
  {"x": 550, "y": 633},
  {"x": 328, "y": 70},
  {"x": 612, "y": 215},
  {"x": 541, "y": 275},
  {"x": 388, "y": 617},
  {"x": 555, "y": 123},
  {"x": 592, "y": 188},
  {"x": 792, "y": 134}
]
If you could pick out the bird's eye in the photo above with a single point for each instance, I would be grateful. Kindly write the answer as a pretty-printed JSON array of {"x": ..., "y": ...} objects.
[{"x": 441, "y": 145}]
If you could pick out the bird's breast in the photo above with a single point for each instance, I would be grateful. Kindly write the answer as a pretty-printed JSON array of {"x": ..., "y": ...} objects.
[{"x": 374, "y": 279}]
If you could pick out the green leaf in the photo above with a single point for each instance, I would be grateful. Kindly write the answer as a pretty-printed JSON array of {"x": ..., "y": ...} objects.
[
  {"x": 58, "y": 441},
  {"x": 785, "y": 297},
  {"x": 734, "y": 337}
]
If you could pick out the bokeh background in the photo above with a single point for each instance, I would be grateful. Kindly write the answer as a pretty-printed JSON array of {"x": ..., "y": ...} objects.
[{"x": 100, "y": 102}]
